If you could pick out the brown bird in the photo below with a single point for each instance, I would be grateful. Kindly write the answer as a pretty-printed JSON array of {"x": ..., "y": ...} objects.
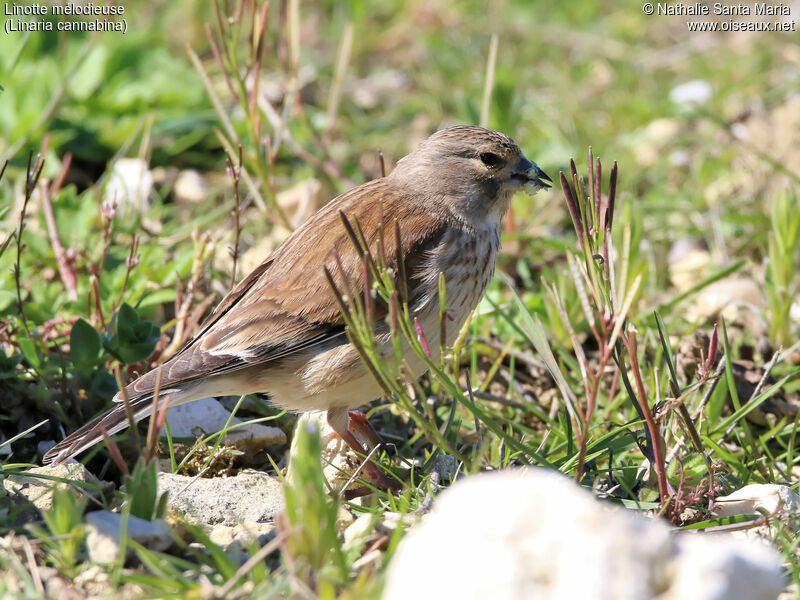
[{"x": 280, "y": 331}]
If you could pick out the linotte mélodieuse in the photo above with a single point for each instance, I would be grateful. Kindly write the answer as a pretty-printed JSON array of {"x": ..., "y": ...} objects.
[{"x": 87, "y": 10}]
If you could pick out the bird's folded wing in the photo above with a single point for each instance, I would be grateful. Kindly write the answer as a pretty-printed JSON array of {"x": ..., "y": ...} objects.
[{"x": 286, "y": 304}]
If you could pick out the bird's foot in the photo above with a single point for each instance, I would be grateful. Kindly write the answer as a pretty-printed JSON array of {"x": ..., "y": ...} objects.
[{"x": 358, "y": 428}]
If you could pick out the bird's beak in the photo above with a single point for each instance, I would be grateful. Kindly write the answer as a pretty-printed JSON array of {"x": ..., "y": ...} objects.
[{"x": 530, "y": 175}]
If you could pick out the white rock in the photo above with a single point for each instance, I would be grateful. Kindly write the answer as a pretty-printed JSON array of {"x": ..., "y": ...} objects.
[
  {"x": 356, "y": 534},
  {"x": 104, "y": 535},
  {"x": 661, "y": 131},
  {"x": 249, "y": 497},
  {"x": 737, "y": 299},
  {"x": 716, "y": 567},
  {"x": 649, "y": 143},
  {"x": 679, "y": 158},
  {"x": 237, "y": 540},
  {"x": 739, "y": 131},
  {"x": 207, "y": 416},
  {"x": 391, "y": 520},
  {"x": 367, "y": 93},
  {"x": 794, "y": 312},
  {"x": 190, "y": 187},
  {"x": 689, "y": 262},
  {"x": 344, "y": 518},
  {"x": 338, "y": 459},
  {"x": 240, "y": 536},
  {"x": 38, "y": 490},
  {"x": 129, "y": 184},
  {"x": 535, "y": 534},
  {"x": 94, "y": 581},
  {"x": 764, "y": 498},
  {"x": 691, "y": 93}
]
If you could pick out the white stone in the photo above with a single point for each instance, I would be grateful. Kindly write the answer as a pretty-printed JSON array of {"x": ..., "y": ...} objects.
[
  {"x": 794, "y": 312},
  {"x": 94, "y": 581},
  {"x": 240, "y": 536},
  {"x": 380, "y": 85},
  {"x": 38, "y": 490},
  {"x": 535, "y": 534},
  {"x": 190, "y": 187},
  {"x": 104, "y": 535},
  {"x": 356, "y": 534},
  {"x": 737, "y": 299},
  {"x": 649, "y": 143},
  {"x": 739, "y": 131},
  {"x": 238, "y": 540},
  {"x": 719, "y": 567},
  {"x": 689, "y": 262},
  {"x": 207, "y": 416},
  {"x": 249, "y": 497},
  {"x": 767, "y": 499},
  {"x": 691, "y": 93},
  {"x": 680, "y": 158},
  {"x": 339, "y": 461},
  {"x": 129, "y": 184}
]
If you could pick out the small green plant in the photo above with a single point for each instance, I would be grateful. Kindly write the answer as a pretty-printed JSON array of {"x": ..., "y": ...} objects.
[
  {"x": 783, "y": 284},
  {"x": 128, "y": 341},
  {"x": 65, "y": 530},
  {"x": 607, "y": 289},
  {"x": 143, "y": 499},
  {"x": 312, "y": 549}
]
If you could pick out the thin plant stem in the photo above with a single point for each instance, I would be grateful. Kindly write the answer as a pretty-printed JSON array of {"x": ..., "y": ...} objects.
[{"x": 630, "y": 342}]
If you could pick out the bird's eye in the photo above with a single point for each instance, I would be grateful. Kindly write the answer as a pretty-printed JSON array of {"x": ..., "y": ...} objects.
[{"x": 490, "y": 159}]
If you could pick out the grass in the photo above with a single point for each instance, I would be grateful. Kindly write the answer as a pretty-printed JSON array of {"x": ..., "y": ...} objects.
[{"x": 589, "y": 354}]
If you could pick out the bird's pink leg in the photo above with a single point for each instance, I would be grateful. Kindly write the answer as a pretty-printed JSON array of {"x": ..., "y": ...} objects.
[
  {"x": 347, "y": 425},
  {"x": 360, "y": 424}
]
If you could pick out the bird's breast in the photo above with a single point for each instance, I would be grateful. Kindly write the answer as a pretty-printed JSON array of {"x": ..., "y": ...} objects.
[
  {"x": 336, "y": 376},
  {"x": 467, "y": 259}
]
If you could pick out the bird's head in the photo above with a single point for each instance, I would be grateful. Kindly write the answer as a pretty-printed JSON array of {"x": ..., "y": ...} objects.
[{"x": 472, "y": 170}]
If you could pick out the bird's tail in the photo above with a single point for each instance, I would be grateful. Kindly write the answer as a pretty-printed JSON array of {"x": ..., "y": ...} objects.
[{"x": 111, "y": 422}]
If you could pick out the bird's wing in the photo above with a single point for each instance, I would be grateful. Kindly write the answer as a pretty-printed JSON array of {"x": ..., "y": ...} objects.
[{"x": 286, "y": 305}]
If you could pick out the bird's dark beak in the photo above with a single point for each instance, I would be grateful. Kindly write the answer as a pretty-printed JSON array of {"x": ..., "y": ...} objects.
[{"x": 531, "y": 175}]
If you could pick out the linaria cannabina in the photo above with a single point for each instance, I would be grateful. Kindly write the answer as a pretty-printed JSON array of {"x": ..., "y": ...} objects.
[{"x": 280, "y": 330}]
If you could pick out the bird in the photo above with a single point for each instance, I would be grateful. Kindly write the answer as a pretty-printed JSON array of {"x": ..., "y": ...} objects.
[{"x": 281, "y": 332}]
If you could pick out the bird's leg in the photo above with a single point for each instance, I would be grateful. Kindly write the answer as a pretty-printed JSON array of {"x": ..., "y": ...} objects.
[
  {"x": 347, "y": 424},
  {"x": 360, "y": 424}
]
